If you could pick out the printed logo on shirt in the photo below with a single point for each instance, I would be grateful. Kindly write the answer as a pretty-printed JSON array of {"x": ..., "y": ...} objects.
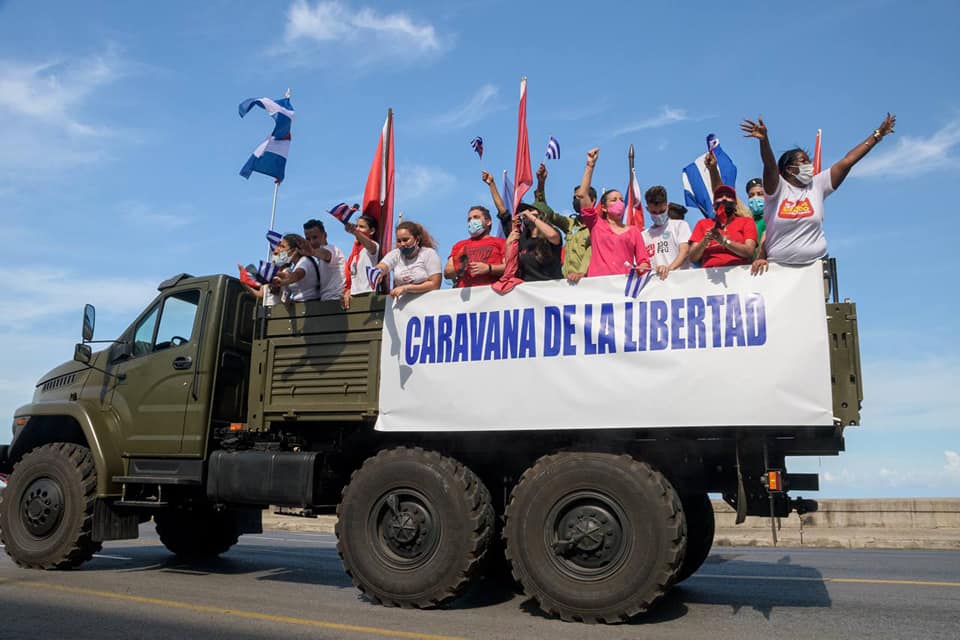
[
  {"x": 651, "y": 250},
  {"x": 793, "y": 209}
]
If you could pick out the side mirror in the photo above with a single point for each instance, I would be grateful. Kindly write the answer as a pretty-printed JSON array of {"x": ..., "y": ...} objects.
[
  {"x": 89, "y": 320},
  {"x": 82, "y": 353}
]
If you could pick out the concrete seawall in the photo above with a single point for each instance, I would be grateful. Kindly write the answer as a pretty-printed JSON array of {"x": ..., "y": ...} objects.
[
  {"x": 914, "y": 523},
  {"x": 917, "y": 523}
]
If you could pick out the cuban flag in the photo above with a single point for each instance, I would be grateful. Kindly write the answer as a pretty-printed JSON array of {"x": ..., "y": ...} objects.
[
  {"x": 636, "y": 281},
  {"x": 553, "y": 149},
  {"x": 696, "y": 178},
  {"x": 374, "y": 276},
  {"x": 273, "y": 238},
  {"x": 266, "y": 271},
  {"x": 270, "y": 158},
  {"x": 477, "y": 144},
  {"x": 343, "y": 212}
]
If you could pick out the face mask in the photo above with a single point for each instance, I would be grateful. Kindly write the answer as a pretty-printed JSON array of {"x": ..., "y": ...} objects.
[
  {"x": 616, "y": 208},
  {"x": 804, "y": 173},
  {"x": 725, "y": 211},
  {"x": 408, "y": 252},
  {"x": 475, "y": 227},
  {"x": 756, "y": 205},
  {"x": 576, "y": 204},
  {"x": 280, "y": 258},
  {"x": 659, "y": 219}
]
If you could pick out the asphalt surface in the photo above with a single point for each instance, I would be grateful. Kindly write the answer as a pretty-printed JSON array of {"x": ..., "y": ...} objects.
[{"x": 292, "y": 585}]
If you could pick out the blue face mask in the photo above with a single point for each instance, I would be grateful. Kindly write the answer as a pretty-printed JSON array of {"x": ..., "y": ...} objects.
[
  {"x": 756, "y": 205},
  {"x": 659, "y": 219},
  {"x": 475, "y": 227},
  {"x": 280, "y": 258}
]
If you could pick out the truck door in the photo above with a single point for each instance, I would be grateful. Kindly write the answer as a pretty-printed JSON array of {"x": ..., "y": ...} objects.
[{"x": 151, "y": 401}]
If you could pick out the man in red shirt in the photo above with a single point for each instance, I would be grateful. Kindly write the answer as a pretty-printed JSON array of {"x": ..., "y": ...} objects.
[
  {"x": 728, "y": 239},
  {"x": 478, "y": 260}
]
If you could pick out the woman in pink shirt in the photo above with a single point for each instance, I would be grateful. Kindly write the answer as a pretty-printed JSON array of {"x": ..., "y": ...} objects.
[{"x": 616, "y": 247}]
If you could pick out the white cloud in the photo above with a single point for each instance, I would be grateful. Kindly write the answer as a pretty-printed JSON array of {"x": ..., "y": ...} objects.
[
  {"x": 479, "y": 106},
  {"x": 42, "y": 113},
  {"x": 665, "y": 117},
  {"x": 355, "y": 37},
  {"x": 911, "y": 156},
  {"x": 417, "y": 181},
  {"x": 48, "y": 293},
  {"x": 53, "y": 91},
  {"x": 952, "y": 466}
]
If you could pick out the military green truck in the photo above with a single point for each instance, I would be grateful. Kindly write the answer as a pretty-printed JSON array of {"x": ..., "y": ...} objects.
[{"x": 211, "y": 408}]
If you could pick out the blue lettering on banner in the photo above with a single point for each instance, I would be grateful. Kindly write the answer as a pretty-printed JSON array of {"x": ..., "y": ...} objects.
[{"x": 731, "y": 321}]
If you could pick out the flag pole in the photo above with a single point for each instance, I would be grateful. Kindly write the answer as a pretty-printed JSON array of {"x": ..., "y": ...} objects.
[{"x": 273, "y": 209}]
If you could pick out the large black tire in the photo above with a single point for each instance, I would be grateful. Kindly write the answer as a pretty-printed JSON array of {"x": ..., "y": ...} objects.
[
  {"x": 197, "y": 534},
  {"x": 594, "y": 537},
  {"x": 46, "y": 511},
  {"x": 413, "y": 527},
  {"x": 701, "y": 526}
]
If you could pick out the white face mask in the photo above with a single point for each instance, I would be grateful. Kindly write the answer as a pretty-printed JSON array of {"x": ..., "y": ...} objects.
[
  {"x": 659, "y": 219},
  {"x": 804, "y": 173}
]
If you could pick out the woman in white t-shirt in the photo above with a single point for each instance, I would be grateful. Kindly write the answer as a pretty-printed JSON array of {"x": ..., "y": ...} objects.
[
  {"x": 300, "y": 281},
  {"x": 415, "y": 262},
  {"x": 364, "y": 254},
  {"x": 793, "y": 197}
]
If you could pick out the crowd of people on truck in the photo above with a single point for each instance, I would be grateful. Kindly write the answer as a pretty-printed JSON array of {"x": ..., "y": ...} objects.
[{"x": 780, "y": 222}]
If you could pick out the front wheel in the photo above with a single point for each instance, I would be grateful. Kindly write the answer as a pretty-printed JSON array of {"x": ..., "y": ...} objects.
[
  {"x": 46, "y": 511},
  {"x": 413, "y": 527},
  {"x": 594, "y": 537}
]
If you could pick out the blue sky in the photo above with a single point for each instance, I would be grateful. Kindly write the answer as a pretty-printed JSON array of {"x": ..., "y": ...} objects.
[{"x": 122, "y": 145}]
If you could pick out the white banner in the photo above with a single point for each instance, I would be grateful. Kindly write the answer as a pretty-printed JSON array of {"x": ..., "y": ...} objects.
[{"x": 706, "y": 347}]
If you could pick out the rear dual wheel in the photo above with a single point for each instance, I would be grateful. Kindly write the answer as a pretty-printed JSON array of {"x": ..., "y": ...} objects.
[
  {"x": 413, "y": 527},
  {"x": 594, "y": 537}
]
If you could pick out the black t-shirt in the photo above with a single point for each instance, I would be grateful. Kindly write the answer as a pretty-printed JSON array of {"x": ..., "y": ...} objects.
[{"x": 531, "y": 269}]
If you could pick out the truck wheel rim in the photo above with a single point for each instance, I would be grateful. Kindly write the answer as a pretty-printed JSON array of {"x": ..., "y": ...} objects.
[
  {"x": 589, "y": 535},
  {"x": 41, "y": 507},
  {"x": 405, "y": 529}
]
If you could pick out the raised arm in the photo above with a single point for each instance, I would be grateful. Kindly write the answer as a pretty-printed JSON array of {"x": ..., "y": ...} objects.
[
  {"x": 758, "y": 130},
  {"x": 547, "y": 230},
  {"x": 561, "y": 222},
  {"x": 715, "y": 179},
  {"x": 497, "y": 200},
  {"x": 368, "y": 243},
  {"x": 583, "y": 193},
  {"x": 840, "y": 169}
]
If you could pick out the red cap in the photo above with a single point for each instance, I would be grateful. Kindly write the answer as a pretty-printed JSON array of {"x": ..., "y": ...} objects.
[{"x": 725, "y": 190}]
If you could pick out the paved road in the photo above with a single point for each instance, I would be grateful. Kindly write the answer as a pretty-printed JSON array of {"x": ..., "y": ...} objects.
[{"x": 291, "y": 585}]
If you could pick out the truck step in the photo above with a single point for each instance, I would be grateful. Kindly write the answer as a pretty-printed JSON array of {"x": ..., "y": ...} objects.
[
  {"x": 155, "y": 480},
  {"x": 141, "y": 503}
]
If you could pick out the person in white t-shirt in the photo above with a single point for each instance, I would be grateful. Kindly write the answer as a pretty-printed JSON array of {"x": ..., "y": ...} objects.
[
  {"x": 415, "y": 263},
  {"x": 365, "y": 253},
  {"x": 793, "y": 197},
  {"x": 328, "y": 258},
  {"x": 300, "y": 281},
  {"x": 666, "y": 239}
]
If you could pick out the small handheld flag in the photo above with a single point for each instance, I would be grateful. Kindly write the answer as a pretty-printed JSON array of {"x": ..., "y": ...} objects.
[
  {"x": 343, "y": 211},
  {"x": 249, "y": 276},
  {"x": 274, "y": 238},
  {"x": 266, "y": 271},
  {"x": 374, "y": 276},
  {"x": 635, "y": 281},
  {"x": 477, "y": 144},
  {"x": 553, "y": 149}
]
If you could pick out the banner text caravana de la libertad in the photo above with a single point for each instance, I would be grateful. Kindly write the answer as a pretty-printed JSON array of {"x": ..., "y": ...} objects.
[
  {"x": 631, "y": 326},
  {"x": 555, "y": 355}
]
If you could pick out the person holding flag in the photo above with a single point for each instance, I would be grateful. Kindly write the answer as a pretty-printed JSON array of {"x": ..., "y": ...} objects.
[
  {"x": 726, "y": 239},
  {"x": 616, "y": 248},
  {"x": 794, "y": 196},
  {"x": 364, "y": 254}
]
